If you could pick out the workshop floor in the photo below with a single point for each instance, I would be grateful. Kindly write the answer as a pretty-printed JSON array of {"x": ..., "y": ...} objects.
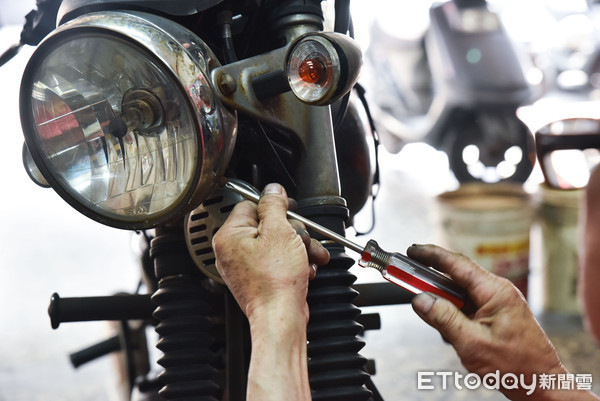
[{"x": 45, "y": 247}]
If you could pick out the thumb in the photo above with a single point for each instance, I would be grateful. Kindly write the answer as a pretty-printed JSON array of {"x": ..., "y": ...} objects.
[
  {"x": 443, "y": 316},
  {"x": 272, "y": 208}
]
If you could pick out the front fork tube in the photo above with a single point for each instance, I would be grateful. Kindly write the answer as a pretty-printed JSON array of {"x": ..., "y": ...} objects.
[{"x": 336, "y": 369}]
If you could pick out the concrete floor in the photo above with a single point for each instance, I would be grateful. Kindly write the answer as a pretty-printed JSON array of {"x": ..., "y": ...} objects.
[{"x": 45, "y": 246}]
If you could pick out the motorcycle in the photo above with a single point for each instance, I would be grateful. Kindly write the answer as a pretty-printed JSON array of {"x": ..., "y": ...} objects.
[
  {"x": 455, "y": 86},
  {"x": 135, "y": 111}
]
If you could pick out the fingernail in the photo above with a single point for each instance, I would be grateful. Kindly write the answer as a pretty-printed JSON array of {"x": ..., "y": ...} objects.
[
  {"x": 423, "y": 302},
  {"x": 414, "y": 248},
  {"x": 273, "y": 189}
]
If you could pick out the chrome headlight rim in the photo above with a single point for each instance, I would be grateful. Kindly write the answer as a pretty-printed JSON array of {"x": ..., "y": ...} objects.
[{"x": 184, "y": 62}]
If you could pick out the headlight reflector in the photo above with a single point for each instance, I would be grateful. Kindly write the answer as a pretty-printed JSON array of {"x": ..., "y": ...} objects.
[
  {"x": 120, "y": 119},
  {"x": 124, "y": 170}
]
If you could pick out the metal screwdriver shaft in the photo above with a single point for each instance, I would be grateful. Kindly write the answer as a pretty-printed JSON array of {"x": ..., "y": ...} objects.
[
  {"x": 340, "y": 239},
  {"x": 394, "y": 267}
]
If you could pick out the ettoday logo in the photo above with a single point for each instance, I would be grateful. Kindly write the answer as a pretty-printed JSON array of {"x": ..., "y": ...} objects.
[{"x": 507, "y": 381}]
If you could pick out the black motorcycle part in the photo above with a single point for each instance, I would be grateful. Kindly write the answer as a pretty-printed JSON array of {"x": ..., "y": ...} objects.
[
  {"x": 280, "y": 10},
  {"x": 354, "y": 160},
  {"x": 274, "y": 157},
  {"x": 270, "y": 84},
  {"x": 336, "y": 370},
  {"x": 285, "y": 13},
  {"x": 87, "y": 309},
  {"x": 189, "y": 327},
  {"x": 369, "y": 321},
  {"x": 377, "y": 294},
  {"x": 40, "y": 22},
  {"x": 470, "y": 3},
  {"x": 342, "y": 16},
  {"x": 95, "y": 351},
  {"x": 70, "y": 9}
]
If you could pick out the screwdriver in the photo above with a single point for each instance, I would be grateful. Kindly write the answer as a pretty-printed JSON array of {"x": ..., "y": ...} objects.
[{"x": 393, "y": 266}]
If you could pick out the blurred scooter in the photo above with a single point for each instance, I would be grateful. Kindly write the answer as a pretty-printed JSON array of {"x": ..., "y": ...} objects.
[{"x": 456, "y": 88}]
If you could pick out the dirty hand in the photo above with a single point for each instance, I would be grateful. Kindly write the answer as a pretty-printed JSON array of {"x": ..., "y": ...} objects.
[
  {"x": 502, "y": 335},
  {"x": 265, "y": 259},
  {"x": 266, "y": 262}
]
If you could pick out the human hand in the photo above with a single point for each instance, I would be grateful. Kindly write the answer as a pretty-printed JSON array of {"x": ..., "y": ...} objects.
[
  {"x": 265, "y": 259},
  {"x": 266, "y": 262},
  {"x": 502, "y": 335}
]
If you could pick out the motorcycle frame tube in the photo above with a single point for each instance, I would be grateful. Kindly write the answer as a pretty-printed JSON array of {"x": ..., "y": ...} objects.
[
  {"x": 318, "y": 175},
  {"x": 147, "y": 31}
]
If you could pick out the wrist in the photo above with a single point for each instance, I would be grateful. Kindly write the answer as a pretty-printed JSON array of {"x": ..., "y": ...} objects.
[
  {"x": 278, "y": 366},
  {"x": 283, "y": 310}
]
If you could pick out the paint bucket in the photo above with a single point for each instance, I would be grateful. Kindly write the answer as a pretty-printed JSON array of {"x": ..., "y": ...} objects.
[
  {"x": 558, "y": 217},
  {"x": 491, "y": 224}
]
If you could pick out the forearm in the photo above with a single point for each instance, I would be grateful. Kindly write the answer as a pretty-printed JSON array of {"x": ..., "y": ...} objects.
[{"x": 278, "y": 366}]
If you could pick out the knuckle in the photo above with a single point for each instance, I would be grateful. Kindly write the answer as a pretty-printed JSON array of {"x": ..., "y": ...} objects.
[
  {"x": 446, "y": 318},
  {"x": 271, "y": 200},
  {"x": 219, "y": 241},
  {"x": 460, "y": 257},
  {"x": 510, "y": 292}
]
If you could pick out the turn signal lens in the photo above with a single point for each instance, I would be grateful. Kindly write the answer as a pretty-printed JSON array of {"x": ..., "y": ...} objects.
[
  {"x": 322, "y": 67},
  {"x": 313, "y": 70}
]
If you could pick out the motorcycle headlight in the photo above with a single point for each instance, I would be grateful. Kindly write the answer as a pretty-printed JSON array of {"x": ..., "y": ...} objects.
[{"x": 120, "y": 118}]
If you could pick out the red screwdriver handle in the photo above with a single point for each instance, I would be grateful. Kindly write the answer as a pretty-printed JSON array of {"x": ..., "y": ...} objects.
[{"x": 413, "y": 276}]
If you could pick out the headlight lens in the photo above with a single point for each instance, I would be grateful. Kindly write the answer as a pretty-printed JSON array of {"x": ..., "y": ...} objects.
[
  {"x": 116, "y": 130},
  {"x": 103, "y": 149}
]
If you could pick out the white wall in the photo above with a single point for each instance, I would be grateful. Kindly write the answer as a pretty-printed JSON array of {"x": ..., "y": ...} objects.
[{"x": 13, "y": 12}]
